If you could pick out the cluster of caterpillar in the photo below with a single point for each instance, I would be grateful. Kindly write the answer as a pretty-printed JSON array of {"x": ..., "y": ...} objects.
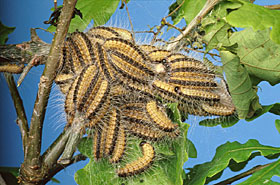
[{"x": 115, "y": 84}]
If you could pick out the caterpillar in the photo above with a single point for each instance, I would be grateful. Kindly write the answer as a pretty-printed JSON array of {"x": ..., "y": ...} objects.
[
  {"x": 112, "y": 131},
  {"x": 218, "y": 109},
  {"x": 11, "y": 68},
  {"x": 159, "y": 118},
  {"x": 141, "y": 164},
  {"x": 119, "y": 147}
]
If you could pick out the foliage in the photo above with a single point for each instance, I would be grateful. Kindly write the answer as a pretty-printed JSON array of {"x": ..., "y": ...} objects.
[
  {"x": 246, "y": 36},
  {"x": 4, "y": 32},
  {"x": 96, "y": 10}
]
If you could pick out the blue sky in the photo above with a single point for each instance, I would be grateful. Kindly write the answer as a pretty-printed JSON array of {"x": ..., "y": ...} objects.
[{"x": 31, "y": 13}]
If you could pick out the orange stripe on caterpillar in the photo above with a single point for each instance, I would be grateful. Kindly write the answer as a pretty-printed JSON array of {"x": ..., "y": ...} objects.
[
  {"x": 119, "y": 147},
  {"x": 11, "y": 68},
  {"x": 159, "y": 117},
  {"x": 147, "y": 48},
  {"x": 139, "y": 165},
  {"x": 218, "y": 109}
]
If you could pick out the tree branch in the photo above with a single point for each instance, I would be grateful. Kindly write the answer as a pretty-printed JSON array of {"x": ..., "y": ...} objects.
[
  {"x": 21, "y": 120},
  {"x": 273, "y": 7},
  {"x": 58, "y": 167},
  {"x": 209, "y": 5},
  {"x": 52, "y": 154},
  {"x": 242, "y": 175},
  {"x": 32, "y": 169}
]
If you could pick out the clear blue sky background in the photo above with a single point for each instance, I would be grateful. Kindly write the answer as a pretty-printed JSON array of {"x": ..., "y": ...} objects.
[{"x": 31, "y": 13}]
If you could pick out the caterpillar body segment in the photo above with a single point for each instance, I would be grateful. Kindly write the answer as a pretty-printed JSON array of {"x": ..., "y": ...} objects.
[
  {"x": 139, "y": 165},
  {"x": 97, "y": 143},
  {"x": 112, "y": 131},
  {"x": 218, "y": 109},
  {"x": 123, "y": 33},
  {"x": 69, "y": 103},
  {"x": 147, "y": 48},
  {"x": 76, "y": 55},
  {"x": 103, "y": 31},
  {"x": 11, "y": 68},
  {"x": 104, "y": 62},
  {"x": 119, "y": 147},
  {"x": 129, "y": 49},
  {"x": 159, "y": 117},
  {"x": 85, "y": 46},
  {"x": 129, "y": 68}
]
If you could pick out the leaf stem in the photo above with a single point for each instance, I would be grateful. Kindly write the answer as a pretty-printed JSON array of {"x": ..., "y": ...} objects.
[
  {"x": 242, "y": 175},
  {"x": 21, "y": 120},
  {"x": 209, "y": 5}
]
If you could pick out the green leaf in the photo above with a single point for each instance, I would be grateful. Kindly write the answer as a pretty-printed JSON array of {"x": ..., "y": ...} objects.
[
  {"x": 215, "y": 27},
  {"x": 96, "y": 10},
  {"x": 264, "y": 175},
  {"x": 167, "y": 168},
  {"x": 13, "y": 170},
  {"x": 243, "y": 94},
  {"x": 274, "y": 108},
  {"x": 258, "y": 17},
  {"x": 277, "y": 125},
  {"x": 188, "y": 10},
  {"x": 4, "y": 32},
  {"x": 224, "y": 153},
  {"x": 191, "y": 150},
  {"x": 258, "y": 54},
  {"x": 226, "y": 121}
]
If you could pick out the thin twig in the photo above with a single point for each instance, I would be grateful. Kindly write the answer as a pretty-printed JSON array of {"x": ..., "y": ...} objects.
[
  {"x": 273, "y": 7},
  {"x": 242, "y": 175},
  {"x": 32, "y": 163},
  {"x": 209, "y": 5},
  {"x": 76, "y": 130},
  {"x": 52, "y": 154},
  {"x": 132, "y": 30},
  {"x": 21, "y": 120},
  {"x": 164, "y": 23}
]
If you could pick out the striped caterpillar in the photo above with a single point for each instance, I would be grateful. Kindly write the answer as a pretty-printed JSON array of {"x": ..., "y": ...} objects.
[{"x": 114, "y": 85}]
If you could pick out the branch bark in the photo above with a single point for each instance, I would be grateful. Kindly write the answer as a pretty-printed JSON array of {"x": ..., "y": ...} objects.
[
  {"x": 209, "y": 5},
  {"x": 21, "y": 116},
  {"x": 32, "y": 169}
]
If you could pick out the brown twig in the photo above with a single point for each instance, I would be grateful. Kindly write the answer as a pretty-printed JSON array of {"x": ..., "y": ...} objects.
[
  {"x": 273, "y": 7},
  {"x": 21, "y": 120},
  {"x": 132, "y": 30},
  {"x": 32, "y": 169},
  {"x": 209, "y": 5},
  {"x": 242, "y": 175}
]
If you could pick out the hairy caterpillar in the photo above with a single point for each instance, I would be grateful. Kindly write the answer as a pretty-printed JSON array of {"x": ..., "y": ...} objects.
[{"x": 141, "y": 164}]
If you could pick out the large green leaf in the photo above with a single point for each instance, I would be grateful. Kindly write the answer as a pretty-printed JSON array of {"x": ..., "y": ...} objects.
[
  {"x": 188, "y": 10},
  {"x": 258, "y": 54},
  {"x": 258, "y": 17},
  {"x": 224, "y": 154},
  {"x": 264, "y": 175},
  {"x": 4, "y": 32},
  {"x": 167, "y": 168},
  {"x": 277, "y": 125},
  {"x": 244, "y": 96},
  {"x": 97, "y": 10}
]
